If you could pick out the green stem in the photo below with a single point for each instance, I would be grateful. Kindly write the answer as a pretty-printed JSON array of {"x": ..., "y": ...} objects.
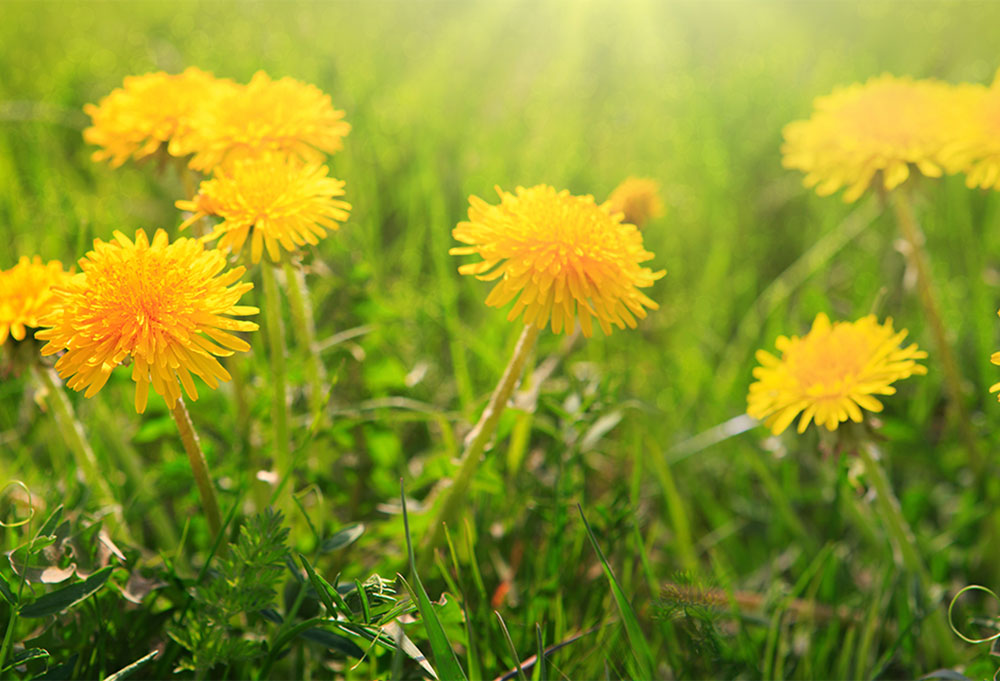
[
  {"x": 937, "y": 632},
  {"x": 305, "y": 332},
  {"x": 76, "y": 440},
  {"x": 206, "y": 489},
  {"x": 276, "y": 343},
  {"x": 480, "y": 435},
  {"x": 916, "y": 255}
]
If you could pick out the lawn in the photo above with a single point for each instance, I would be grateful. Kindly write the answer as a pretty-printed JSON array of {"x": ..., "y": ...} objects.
[{"x": 628, "y": 520}]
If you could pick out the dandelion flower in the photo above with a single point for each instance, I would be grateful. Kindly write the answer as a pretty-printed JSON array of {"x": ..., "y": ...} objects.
[
  {"x": 638, "y": 198},
  {"x": 561, "y": 256},
  {"x": 883, "y": 126},
  {"x": 147, "y": 112},
  {"x": 975, "y": 145},
  {"x": 831, "y": 373},
  {"x": 26, "y": 294},
  {"x": 284, "y": 115},
  {"x": 166, "y": 306},
  {"x": 283, "y": 201}
]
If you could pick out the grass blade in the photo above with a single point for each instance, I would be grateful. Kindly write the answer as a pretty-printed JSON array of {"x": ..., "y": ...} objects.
[
  {"x": 637, "y": 642},
  {"x": 445, "y": 661},
  {"x": 513, "y": 650}
]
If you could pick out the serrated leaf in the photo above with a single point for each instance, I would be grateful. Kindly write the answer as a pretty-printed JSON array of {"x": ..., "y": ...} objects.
[
  {"x": 68, "y": 596},
  {"x": 345, "y": 537},
  {"x": 125, "y": 672},
  {"x": 25, "y": 656}
]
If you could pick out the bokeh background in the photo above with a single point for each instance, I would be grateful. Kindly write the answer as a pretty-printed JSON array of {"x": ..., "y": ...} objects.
[{"x": 448, "y": 99}]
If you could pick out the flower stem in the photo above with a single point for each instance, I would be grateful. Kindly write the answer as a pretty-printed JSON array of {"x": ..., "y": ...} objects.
[
  {"x": 206, "y": 489},
  {"x": 917, "y": 256},
  {"x": 76, "y": 440},
  {"x": 479, "y": 436},
  {"x": 305, "y": 332},
  {"x": 905, "y": 543},
  {"x": 276, "y": 345}
]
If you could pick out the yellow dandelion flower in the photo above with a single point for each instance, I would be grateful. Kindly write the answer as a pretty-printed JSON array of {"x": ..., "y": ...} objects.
[
  {"x": 561, "y": 256},
  {"x": 284, "y": 115},
  {"x": 638, "y": 198},
  {"x": 167, "y": 306},
  {"x": 147, "y": 112},
  {"x": 831, "y": 373},
  {"x": 975, "y": 145},
  {"x": 26, "y": 294},
  {"x": 883, "y": 126},
  {"x": 285, "y": 202}
]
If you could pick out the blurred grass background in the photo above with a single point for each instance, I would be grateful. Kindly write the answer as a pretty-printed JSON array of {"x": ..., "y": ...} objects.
[{"x": 448, "y": 99}]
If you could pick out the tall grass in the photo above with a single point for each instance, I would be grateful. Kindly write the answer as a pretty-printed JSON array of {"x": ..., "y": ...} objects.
[{"x": 739, "y": 555}]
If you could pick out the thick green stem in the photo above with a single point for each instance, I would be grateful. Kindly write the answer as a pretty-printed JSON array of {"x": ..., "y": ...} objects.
[
  {"x": 276, "y": 343},
  {"x": 305, "y": 332},
  {"x": 937, "y": 633},
  {"x": 206, "y": 489},
  {"x": 479, "y": 436},
  {"x": 916, "y": 255},
  {"x": 73, "y": 434}
]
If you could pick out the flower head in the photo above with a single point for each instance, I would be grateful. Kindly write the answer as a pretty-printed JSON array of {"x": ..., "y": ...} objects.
[
  {"x": 282, "y": 200},
  {"x": 284, "y": 115},
  {"x": 831, "y": 373},
  {"x": 883, "y": 126},
  {"x": 26, "y": 294},
  {"x": 167, "y": 306},
  {"x": 975, "y": 144},
  {"x": 560, "y": 255},
  {"x": 638, "y": 198},
  {"x": 147, "y": 112}
]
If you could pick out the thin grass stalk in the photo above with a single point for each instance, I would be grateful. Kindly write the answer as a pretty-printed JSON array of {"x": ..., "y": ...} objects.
[
  {"x": 206, "y": 489},
  {"x": 276, "y": 345},
  {"x": 916, "y": 255},
  {"x": 479, "y": 436},
  {"x": 305, "y": 332},
  {"x": 73, "y": 433},
  {"x": 937, "y": 632}
]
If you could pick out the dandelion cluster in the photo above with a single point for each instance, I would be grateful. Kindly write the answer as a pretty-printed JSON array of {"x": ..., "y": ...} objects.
[
  {"x": 281, "y": 199},
  {"x": 830, "y": 374},
  {"x": 148, "y": 112},
  {"x": 166, "y": 307},
  {"x": 561, "y": 256},
  {"x": 284, "y": 116},
  {"x": 883, "y": 127},
  {"x": 26, "y": 294},
  {"x": 214, "y": 121},
  {"x": 880, "y": 131}
]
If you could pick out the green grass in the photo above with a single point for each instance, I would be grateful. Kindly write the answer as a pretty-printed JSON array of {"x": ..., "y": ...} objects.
[{"x": 448, "y": 99}]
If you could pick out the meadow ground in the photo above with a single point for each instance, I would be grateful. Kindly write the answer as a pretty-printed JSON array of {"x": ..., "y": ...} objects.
[{"x": 738, "y": 554}]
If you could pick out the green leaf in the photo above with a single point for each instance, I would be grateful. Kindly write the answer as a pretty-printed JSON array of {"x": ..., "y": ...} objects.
[
  {"x": 334, "y": 642},
  {"x": 345, "y": 537},
  {"x": 125, "y": 672},
  {"x": 25, "y": 656},
  {"x": 445, "y": 661},
  {"x": 51, "y": 523},
  {"x": 511, "y": 648},
  {"x": 68, "y": 596},
  {"x": 5, "y": 591},
  {"x": 637, "y": 642},
  {"x": 328, "y": 594}
]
